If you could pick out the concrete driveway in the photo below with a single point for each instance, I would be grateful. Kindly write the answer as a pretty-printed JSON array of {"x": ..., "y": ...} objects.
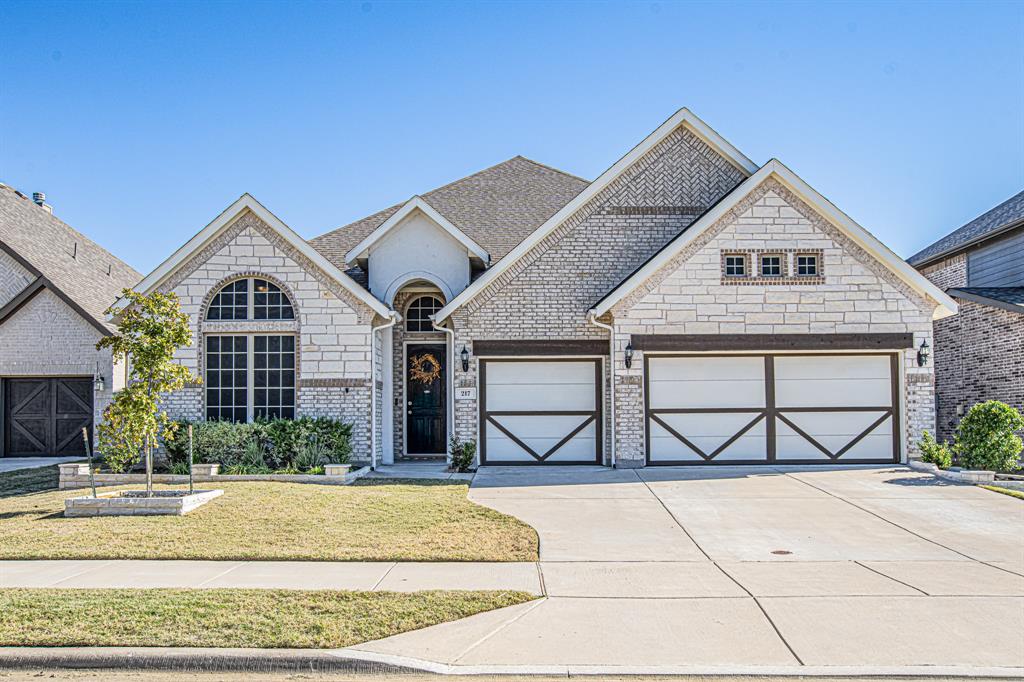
[{"x": 865, "y": 569}]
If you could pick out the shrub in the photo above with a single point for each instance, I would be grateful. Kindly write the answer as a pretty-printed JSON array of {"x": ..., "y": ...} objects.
[
  {"x": 934, "y": 452},
  {"x": 462, "y": 453},
  {"x": 280, "y": 442},
  {"x": 986, "y": 438},
  {"x": 313, "y": 455}
]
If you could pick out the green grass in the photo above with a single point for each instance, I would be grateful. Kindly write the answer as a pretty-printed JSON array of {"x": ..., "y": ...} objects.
[
  {"x": 228, "y": 618},
  {"x": 1005, "y": 491},
  {"x": 400, "y": 521}
]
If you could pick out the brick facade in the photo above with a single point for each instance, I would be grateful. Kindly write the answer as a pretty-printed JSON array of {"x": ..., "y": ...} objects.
[
  {"x": 62, "y": 344},
  {"x": 547, "y": 293},
  {"x": 688, "y": 296},
  {"x": 333, "y": 373},
  {"x": 978, "y": 354}
]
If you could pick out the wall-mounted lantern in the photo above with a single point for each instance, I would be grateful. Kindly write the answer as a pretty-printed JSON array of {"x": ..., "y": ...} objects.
[
  {"x": 465, "y": 358},
  {"x": 98, "y": 382},
  {"x": 629, "y": 355},
  {"x": 922, "y": 353}
]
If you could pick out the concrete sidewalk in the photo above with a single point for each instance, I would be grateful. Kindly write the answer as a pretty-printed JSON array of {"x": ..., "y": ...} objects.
[{"x": 299, "y": 575}]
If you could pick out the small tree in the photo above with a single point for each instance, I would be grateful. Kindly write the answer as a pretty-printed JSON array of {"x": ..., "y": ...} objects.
[
  {"x": 152, "y": 328},
  {"x": 986, "y": 438}
]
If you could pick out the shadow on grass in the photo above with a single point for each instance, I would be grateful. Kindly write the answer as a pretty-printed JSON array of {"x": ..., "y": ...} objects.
[{"x": 26, "y": 481}]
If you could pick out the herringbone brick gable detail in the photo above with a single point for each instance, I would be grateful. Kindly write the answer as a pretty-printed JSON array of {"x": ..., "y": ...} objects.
[{"x": 594, "y": 249}]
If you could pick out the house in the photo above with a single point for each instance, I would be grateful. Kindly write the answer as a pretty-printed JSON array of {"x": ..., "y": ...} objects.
[
  {"x": 687, "y": 307},
  {"x": 979, "y": 353},
  {"x": 55, "y": 284}
]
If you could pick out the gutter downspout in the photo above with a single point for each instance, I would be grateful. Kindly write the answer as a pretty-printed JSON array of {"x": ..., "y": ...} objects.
[
  {"x": 451, "y": 370},
  {"x": 592, "y": 318},
  {"x": 394, "y": 318}
]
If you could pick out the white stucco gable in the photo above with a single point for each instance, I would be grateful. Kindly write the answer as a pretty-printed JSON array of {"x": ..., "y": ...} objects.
[{"x": 417, "y": 243}]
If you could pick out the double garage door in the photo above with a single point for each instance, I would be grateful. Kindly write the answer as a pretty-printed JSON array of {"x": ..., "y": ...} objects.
[
  {"x": 44, "y": 417},
  {"x": 699, "y": 409},
  {"x": 765, "y": 409}
]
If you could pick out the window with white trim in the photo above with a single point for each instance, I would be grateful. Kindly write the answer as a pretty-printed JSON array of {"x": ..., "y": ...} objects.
[
  {"x": 251, "y": 298},
  {"x": 806, "y": 265},
  {"x": 417, "y": 315},
  {"x": 771, "y": 265},
  {"x": 250, "y": 376},
  {"x": 736, "y": 266}
]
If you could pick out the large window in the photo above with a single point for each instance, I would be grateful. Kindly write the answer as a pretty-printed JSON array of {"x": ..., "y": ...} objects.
[
  {"x": 250, "y": 376},
  {"x": 417, "y": 317},
  {"x": 250, "y": 299}
]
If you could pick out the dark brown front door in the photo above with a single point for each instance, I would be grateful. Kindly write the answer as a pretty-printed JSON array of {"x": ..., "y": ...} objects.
[
  {"x": 44, "y": 417},
  {"x": 426, "y": 402}
]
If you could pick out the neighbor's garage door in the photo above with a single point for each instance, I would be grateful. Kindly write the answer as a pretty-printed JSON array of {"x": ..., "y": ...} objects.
[
  {"x": 759, "y": 409},
  {"x": 540, "y": 411},
  {"x": 44, "y": 417}
]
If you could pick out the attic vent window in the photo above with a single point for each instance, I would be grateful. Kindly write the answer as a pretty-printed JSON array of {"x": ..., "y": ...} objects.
[{"x": 417, "y": 317}]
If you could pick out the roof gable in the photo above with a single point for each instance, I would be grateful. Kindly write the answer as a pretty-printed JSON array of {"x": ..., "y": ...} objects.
[
  {"x": 683, "y": 117},
  {"x": 1006, "y": 216},
  {"x": 497, "y": 208},
  {"x": 775, "y": 169},
  {"x": 78, "y": 269},
  {"x": 362, "y": 250},
  {"x": 224, "y": 221}
]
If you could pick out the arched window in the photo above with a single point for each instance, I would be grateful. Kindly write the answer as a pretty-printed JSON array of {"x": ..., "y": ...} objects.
[
  {"x": 417, "y": 316},
  {"x": 250, "y": 374},
  {"x": 250, "y": 299}
]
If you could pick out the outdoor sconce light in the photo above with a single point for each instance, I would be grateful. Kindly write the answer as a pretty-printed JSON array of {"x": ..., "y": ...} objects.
[
  {"x": 629, "y": 355},
  {"x": 98, "y": 382},
  {"x": 922, "y": 354},
  {"x": 465, "y": 358}
]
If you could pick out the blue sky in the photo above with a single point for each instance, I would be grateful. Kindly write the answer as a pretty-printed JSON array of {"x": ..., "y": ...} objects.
[{"x": 142, "y": 121}]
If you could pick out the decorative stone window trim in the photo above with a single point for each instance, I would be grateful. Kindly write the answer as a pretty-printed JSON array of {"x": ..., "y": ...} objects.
[
  {"x": 747, "y": 265},
  {"x": 788, "y": 276}
]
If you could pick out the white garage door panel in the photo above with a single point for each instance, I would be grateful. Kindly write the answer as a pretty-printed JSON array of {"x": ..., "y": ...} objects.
[
  {"x": 707, "y": 383},
  {"x": 532, "y": 389},
  {"x": 694, "y": 382}
]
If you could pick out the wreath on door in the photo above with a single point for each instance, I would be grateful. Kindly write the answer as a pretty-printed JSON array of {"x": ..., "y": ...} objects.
[{"x": 425, "y": 368}]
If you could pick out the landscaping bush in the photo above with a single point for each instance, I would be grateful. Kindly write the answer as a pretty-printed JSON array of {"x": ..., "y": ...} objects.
[
  {"x": 265, "y": 445},
  {"x": 462, "y": 453},
  {"x": 935, "y": 452},
  {"x": 986, "y": 438}
]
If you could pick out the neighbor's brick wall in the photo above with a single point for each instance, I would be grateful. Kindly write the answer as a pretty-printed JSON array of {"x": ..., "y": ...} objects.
[
  {"x": 13, "y": 278},
  {"x": 48, "y": 338},
  {"x": 688, "y": 296},
  {"x": 333, "y": 328},
  {"x": 978, "y": 353},
  {"x": 547, "y": 293}
]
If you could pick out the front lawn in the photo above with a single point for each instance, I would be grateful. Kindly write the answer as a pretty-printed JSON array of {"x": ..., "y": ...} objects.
[
  {"x": 370, "y": 521},
  {"x": 228, "y": 618},
  {"x": 1005, "y": 491}
]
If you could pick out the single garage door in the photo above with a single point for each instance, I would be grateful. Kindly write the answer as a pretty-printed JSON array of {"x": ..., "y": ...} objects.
[
  {"x": 762, "y": 409},
  {"x": 44, "y": 417},
  {"x": 540, "y": 411}
]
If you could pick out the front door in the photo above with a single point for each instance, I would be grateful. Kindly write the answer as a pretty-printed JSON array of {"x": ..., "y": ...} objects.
[{"x": 426, "y": 423}]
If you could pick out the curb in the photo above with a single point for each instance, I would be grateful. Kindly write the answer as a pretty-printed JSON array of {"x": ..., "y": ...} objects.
[{"x": 189, "y": 660}]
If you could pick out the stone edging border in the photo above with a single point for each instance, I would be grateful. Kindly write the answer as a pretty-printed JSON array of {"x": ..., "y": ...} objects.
[
  {"x": 75, "y": 476},
  {"x": 958, "y": 475}
]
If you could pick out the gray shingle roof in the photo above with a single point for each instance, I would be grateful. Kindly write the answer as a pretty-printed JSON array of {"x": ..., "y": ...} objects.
[
  {"x": 497, "y": 208},
  {"x": 1002, "y": 216},
  {"x": 1011, "y": 295},
  {"x": 75, "y": 264}
]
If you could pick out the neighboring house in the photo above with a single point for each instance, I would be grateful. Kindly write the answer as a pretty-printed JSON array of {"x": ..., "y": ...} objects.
[
  {"x": 979, "y": 353},
  {"x": 688, "y": 306},
  {"x": 55, "y": 285}
]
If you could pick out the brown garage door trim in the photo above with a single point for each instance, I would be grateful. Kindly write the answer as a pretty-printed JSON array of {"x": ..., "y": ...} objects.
[
  {"x": 593, "y": 416},
  {"x": 769, "y": 413},
  {"x": 770, "y": 342},
  {"x": 539, "y": 347}
]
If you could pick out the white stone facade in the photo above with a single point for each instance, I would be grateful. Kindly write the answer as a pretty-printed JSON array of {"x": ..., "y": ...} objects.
[{"x": 333, "y": 373}]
